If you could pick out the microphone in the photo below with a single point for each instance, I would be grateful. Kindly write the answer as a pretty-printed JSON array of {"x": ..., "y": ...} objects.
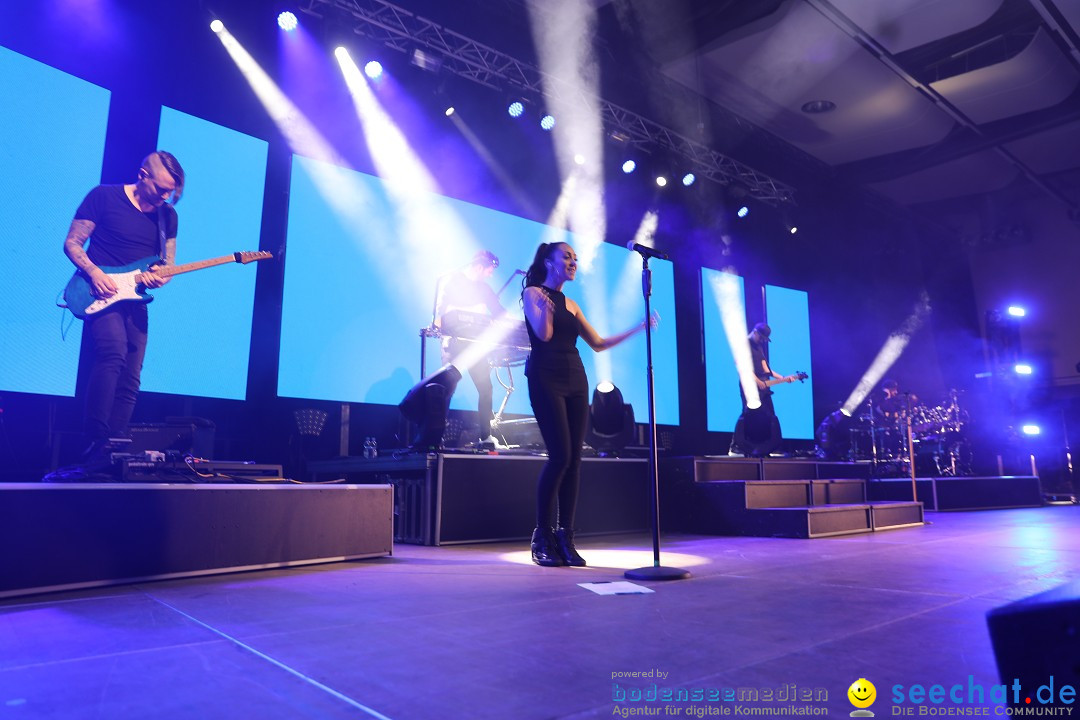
[
  {"x": 520, "y": 272},
  {"x": 646, "y": 251}
]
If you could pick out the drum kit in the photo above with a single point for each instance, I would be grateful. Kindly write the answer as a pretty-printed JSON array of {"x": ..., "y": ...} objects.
[{"x": 938, "y": 435}]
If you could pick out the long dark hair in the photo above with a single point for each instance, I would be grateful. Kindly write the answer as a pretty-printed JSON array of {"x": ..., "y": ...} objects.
[{"x": 537, "y": 273}]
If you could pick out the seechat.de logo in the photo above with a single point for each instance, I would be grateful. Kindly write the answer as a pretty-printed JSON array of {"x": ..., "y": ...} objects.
[{"x": 862, "y": 695}]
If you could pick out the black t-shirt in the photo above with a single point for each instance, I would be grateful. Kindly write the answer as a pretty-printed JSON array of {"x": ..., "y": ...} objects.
[
  {"x": 122, "y": 233},
  {"x": 758, "y": 354},
  {"x": 461, "y": 293}
]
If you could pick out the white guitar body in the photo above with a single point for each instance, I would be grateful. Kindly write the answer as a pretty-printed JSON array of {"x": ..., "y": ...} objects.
[{"x": 127, "y": 288}]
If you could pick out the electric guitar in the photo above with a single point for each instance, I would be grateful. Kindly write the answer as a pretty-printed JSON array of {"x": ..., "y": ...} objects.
[
  {"x": 800, "y": 376},
  {"x": 79, "y": 294}
]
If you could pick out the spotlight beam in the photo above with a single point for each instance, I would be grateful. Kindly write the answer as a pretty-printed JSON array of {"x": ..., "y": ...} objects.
[
  {"x": 889, "y": 353},
  {"x": 725, "y": 289},
  {"x": 421, "y": 212}
]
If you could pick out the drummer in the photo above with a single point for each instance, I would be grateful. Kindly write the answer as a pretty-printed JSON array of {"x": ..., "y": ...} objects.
[{"x": 894, "y": 406}]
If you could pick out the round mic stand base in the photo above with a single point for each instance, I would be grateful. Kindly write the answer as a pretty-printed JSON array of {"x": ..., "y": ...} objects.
[{"x": 657, "y": 572}]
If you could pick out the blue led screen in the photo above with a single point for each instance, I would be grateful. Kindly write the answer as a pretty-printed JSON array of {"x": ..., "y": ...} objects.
[
  {"x": 788, "y": 313},
  {"x": 50, "y": 157},
  {"x": 721, "y": 379},
  {"x": 200, "y": 323},
  {"x": 358, "y": 291}
]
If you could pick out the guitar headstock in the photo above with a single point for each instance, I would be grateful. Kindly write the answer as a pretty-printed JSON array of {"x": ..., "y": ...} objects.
[
  {"x": 800, "y": 376},
  {"x": 246, "y": 257}
]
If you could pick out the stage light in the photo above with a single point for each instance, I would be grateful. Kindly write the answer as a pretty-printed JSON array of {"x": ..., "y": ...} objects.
[
  {"x": 611, "y": 421},
  {"x": 287, "y": 21},
  {"x": 792, "y": 229},
  {"x": 547, "y": 122},
  {"x": 629, "y": 166},
  {"x": 373, "y": 70},
  {"x": 743, "y": 211},
  {"x": 341, "y": 53},
  {"x": 427, "y": 404},
  {"x": 688, "y": 179},
  {"x": 449, "y": 111},
  {"x": 217, "y": 26},
  {"x": 579, "y": 159},
  {"x": 516, "y": 109},
  {"x": 1023, "y": 369},
  {"x": 1016, "y": 311},
  {"x": 661, "y": 181},
  {"x": 1031, "y": 429}
]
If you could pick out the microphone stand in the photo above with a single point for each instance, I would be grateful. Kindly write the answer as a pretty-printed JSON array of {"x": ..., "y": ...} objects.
[{"x": 656, "y": 571}]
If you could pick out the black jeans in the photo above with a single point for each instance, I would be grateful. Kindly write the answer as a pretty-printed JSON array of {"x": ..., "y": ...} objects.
[
  {"x": 117, "y": 345},
  {"x": 560, "y": 402}
]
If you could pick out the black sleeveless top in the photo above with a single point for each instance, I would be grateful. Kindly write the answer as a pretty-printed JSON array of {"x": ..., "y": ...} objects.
[{"x": 558, "y": 357}]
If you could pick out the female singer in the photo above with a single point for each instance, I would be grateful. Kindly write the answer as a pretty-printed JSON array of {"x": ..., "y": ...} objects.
[{"x": 559, "y": 393}]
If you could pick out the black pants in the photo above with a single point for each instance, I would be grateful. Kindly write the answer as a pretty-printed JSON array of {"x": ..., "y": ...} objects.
[
  {"x": 480, "y": 373},
  {"x": 481, "y": 377},
  {"x": 560, "y": 402},
  {"x": 117, "y": 343}
]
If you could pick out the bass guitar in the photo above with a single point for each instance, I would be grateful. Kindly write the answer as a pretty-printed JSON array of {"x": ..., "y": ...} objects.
[
  {"x": 800, "y": 376},
  {"x": 79, "y": 294}
]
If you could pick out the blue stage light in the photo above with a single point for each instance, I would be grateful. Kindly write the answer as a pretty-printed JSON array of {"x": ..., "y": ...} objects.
[
  {"x": 743, "y": 211},
  {"x": 373, "y": 69},
  {"x": 629, "y": 166},
  {"x": 1031, "y": 429},
  {"x": 661, "y": 180},
  {"x": 516, "y": 109},
  {"x": 547, "y": 122},
  {"x": 1016, "y": 311},
  {"x": 688, "y": 179},
  {"x": 287, "y": 21},
  {"x": 449, "y": 111},
  {"x": 1023, "y": 369},
  {"x": 217, "y": 26}
]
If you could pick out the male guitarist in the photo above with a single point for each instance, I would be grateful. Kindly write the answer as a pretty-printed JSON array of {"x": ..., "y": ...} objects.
[
  {"x": 757, "y": 431},
  {"x": 124, "y": 223}
]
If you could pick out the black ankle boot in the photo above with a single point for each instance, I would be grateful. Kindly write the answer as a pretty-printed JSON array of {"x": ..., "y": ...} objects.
[
  {"x": 564, "y": 541},
  {"x": 544, "y": 550}
]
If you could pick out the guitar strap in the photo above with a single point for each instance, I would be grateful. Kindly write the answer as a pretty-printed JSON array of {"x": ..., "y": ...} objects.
[{"x": 161, "y": 232}]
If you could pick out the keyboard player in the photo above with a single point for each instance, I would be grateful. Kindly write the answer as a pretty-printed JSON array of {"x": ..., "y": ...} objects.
[{"x": 468, "y": 289}]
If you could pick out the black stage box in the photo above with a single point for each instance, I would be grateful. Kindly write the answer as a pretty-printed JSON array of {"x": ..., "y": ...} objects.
[
  {"x": 445, "y": 498},
  {"x": 187, "y": 436},
  {"x": 68, "y": 536}
]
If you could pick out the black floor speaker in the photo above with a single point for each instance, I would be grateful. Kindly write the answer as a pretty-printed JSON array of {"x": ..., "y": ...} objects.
[{"x": 1037, "y": 643}]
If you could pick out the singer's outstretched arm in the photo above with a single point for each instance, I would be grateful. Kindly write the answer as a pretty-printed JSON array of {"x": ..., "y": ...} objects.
[{"x": 598, "y": 343}]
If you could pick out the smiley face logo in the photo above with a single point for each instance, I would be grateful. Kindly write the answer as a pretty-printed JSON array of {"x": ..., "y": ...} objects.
[{"x": 862, "y": 694}]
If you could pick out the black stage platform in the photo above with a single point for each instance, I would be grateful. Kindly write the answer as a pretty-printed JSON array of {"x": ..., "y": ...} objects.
[
  {"x": 450, "y": 497},
  {"x": 67, "y": 536}
]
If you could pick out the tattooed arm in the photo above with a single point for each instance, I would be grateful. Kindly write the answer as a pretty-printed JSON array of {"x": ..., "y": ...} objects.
[{"x": 78, "y": 234}]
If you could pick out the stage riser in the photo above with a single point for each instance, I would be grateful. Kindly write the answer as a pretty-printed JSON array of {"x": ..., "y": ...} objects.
[
  {"x": 780, "y": 508},
  {"x": 710, "y": 469},
  {"x": 457, "y": 498},
  {"x": 963, "y": 493},
  {"x": 69, "y": 536}
]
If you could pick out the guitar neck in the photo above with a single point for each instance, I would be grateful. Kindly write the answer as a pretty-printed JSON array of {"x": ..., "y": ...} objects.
[{"x": 170, "y": 270}]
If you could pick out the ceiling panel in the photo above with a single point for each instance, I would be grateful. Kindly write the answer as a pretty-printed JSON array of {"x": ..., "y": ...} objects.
[
  {"x": 1051, "y": 151},
  {"x": 1039, "y": 77},
  {"x": 775, "y": 65},
  {"x": 900, "y": 25},
  {"x": 977, "y": 173}
]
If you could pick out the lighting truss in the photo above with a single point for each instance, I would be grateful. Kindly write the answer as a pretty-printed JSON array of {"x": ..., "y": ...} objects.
[{"x": 403, "y": 31}]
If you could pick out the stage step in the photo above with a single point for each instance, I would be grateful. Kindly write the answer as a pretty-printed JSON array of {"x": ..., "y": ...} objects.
[{"x": 782, "y": 508}]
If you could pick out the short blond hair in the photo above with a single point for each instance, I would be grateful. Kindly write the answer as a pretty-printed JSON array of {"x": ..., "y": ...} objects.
[{"x": 171, "y": 165}]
